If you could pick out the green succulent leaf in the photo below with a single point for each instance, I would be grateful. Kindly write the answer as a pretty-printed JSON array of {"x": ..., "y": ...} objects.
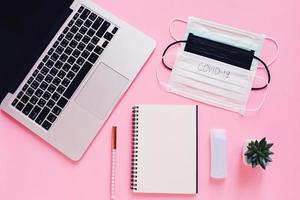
[
  {"x": 258, "y": 153},
  {"x": 262, "y": 162},
  {"x": 268, "y": 146}
]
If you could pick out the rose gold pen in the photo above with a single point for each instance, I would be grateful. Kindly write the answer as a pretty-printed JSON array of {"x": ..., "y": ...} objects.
[{"x": 113, "y": 161}]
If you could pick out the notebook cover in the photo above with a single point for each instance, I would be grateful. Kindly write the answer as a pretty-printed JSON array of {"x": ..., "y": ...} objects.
[{"x": 165, "y": 149}]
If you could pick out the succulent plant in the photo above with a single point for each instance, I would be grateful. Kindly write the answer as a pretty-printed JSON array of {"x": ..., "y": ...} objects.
[{"x": 258, "y": 153}]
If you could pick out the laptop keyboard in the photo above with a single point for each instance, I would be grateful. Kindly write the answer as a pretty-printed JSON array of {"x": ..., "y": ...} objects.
[{"x": 66, "y": 64}]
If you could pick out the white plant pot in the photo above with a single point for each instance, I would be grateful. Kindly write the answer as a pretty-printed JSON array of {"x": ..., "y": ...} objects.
[{"x": 244, "y": 151}]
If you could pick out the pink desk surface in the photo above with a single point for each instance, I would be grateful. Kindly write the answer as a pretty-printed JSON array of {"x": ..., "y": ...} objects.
[{"x": 32, "y": 170}]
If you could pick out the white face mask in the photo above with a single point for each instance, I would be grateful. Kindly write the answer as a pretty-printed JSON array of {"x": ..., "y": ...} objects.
[{"x": 211, "y": 81}]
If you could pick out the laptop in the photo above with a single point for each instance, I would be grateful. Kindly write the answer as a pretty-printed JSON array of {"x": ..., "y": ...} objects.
[{"x": 64, "y": 66}]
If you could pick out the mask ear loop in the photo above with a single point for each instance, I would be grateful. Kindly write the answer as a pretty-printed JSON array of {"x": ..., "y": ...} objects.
[
  {"x": 268, "y": 73},
  {"x": 263, "y": 99},
  {"x": 171, "y": 26},
  {"x": 163, "y": 84},
  {"x": 277, "y": 51}
]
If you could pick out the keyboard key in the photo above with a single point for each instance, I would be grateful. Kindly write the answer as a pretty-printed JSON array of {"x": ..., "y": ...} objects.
[
  {"x": 25, "y": 99},
  {"x": 90, "y": 47},
  {"x": 54, "y": 56},
  {"x": 61, "y": 37},
  {"x": 66, "y": 29},
  {"x": 85, "y": 54},
  {"x": 62, "y": 102},
  {"x": 25, "y": 87},
  {"x": 49, "y": 63},
  {"x": 76, "y": 53},
  {"x": 41, "y": 103},
  {"x": 39, "y": 78},
  {"x": 50, "y": 51},
  {"x": 51, "y": 118},
  {"x": 88, "y": 23},
  {"x": 93, "y": 58},
  {"x": 69, "y": 36},
  {"x": 80, "y": 9},
  {"x": 50, "y": 103},
  {"x": 73, "y": 44},
  {"x": 78, "y": 79},
  {"x": 56, "y": 110},
  {"x": 34, "y": 84},
  {"x": 20, "y": 106},
  {"x": 46, "y": 125},
  {"x": 61, "y": 74},
  {"x": 53, "y": 71},
  {"x": 78, "y": 37},
  {"x": 55, "y": 45},
  {"x": 33, "y": 100},
  {"x": 71, "y": 60},
  {"x": 81, "y": 46},
  {"x": 95, "y": 40},
  {"x": 98, "y": 50},
  {"x": 71, "y": 23},
  {"x": 56, "y": 81},
  {"x": 80, "y": 61},
  {"x": 78, "y": 22},
  {"x": 49, "y": 78},
  {"x": 75, "y": 16},
  {"x": 35, "y": 73},
  {"x": 46, "y": 95},
  {"x": 108, "y": 36},
  {"x": 92, "y": 16},
  {"x": 59, "y": 49},
  {"x": 38, "y": 92},
  {"x": 103, "y": 29},
  {"x": 45, "y": 58},
  {"x": 55, "y": 96},
  {"x": 91, "y": 33},
  {"x": 15, "y": 101},
  {"x": 70, "y": 75},
  {"x": 64, "y": 43},
  {"x": 51, "y": 88},
  {"x": 83, "y": 30},
  {"x": 114, "y": 30},
  {"x": 40, "y": 65},
  {"x": 44, "y": 85},
  {"x": 97, "y": 23},
  {"x": 68, "y": 50},
  {"x": 30, "y": 92},
  {"x": 105, "y": 43},
  {"x": 20, "y": 94},
  {"x": 74, "y": 29},
  {"x": 86, "y": 39},
  {"x": 60, "y": 89},
  {"x": 63, "y": 57},
  {"x": 45, "y": 70},
  {"x": 36, "y": 110},
  {"x": 75, "y": 68},
  {"x": 85, "y": 14},
  {"x": 27, "y": 109},
  {"x": 66, "y": 67},
  {"x": 58, "y": 64},
  {"x": 65, "y": 82},
  {"x": 42, "y": 115}
]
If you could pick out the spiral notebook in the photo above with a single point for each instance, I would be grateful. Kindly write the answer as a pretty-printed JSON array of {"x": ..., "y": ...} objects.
[{"x": 165, "y": 147}]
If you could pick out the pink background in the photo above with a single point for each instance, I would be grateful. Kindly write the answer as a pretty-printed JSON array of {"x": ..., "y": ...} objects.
[{"x": 31, "y": 169}]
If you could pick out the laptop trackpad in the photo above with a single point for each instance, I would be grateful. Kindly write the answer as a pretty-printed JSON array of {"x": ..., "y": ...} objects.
[{"x": 101, "y": 91}]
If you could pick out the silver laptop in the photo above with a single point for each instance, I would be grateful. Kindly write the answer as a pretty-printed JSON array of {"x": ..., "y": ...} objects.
[{"x": 79, "y": 77}]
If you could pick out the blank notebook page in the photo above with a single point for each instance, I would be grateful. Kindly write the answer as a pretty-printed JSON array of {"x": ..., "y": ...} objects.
[{"x": 166, "y": 149}]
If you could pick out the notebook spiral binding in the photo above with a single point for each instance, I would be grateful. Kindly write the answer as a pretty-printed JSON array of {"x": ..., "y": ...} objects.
[{"x": 134, "y": 159}]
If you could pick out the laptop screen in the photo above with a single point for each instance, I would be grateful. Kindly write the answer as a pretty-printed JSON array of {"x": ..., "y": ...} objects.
[{"x": 26, "y": 28}]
